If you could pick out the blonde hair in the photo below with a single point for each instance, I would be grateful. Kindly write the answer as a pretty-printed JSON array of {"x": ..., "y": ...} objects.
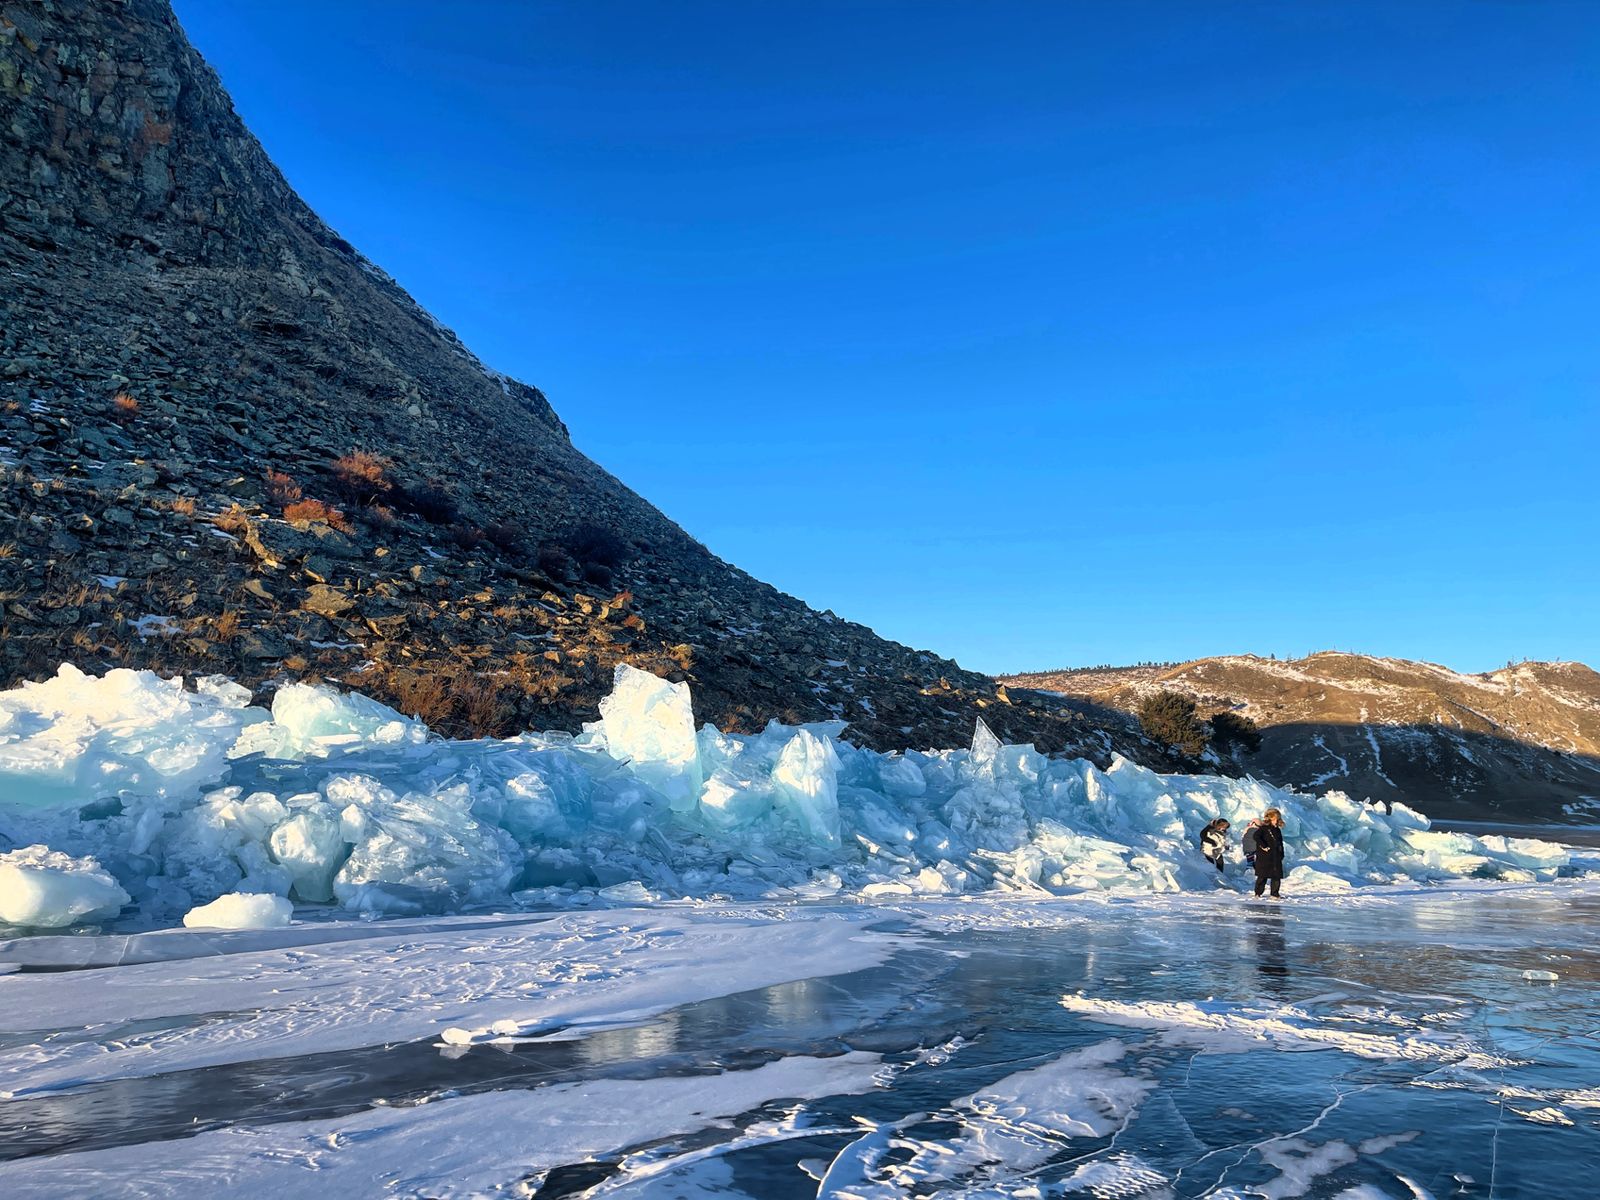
[{"x": 1272, "y": 812}]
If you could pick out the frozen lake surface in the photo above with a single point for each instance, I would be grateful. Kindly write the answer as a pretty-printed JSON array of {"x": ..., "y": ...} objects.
[{"x": 1378, "y": 1045}]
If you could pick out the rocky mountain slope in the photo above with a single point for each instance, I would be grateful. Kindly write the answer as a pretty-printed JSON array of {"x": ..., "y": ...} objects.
[
  {"x": 1519, "y": 743},
  {"x": 230, "y": 443}
]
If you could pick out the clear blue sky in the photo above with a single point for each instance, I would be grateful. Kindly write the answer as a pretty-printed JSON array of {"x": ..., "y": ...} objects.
[{"x": 1034, "y": 334}]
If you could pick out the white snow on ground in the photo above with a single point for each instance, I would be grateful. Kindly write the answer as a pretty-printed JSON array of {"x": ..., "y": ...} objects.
[
  {"x": 465, "y": 1146},
  {"x": 1076, "y": 1095},
  {"x": 1021, "y": 1121},
  {"x": 1377, "y": 754},
  {"x": 241, "y": 910},
  {"x": 1226, "y": 1027},
  {"x": 184, "y": 796},
  {"x": 1340, "y": 771},
  {"x": 534, "y": 974}
]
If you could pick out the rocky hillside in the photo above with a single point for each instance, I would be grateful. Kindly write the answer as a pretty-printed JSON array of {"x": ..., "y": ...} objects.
[
  {"x": 1521, "y": 743},
  {"x": 230, "y": 443}
]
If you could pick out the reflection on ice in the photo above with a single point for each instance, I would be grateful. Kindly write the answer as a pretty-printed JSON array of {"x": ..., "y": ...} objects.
[{"x": 1392, "y": 1050}]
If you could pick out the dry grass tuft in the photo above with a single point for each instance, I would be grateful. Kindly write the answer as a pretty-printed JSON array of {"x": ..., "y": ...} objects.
[
  {"x": 362, "y": 478},
  {"x": 184, "y": 506},
  {"x": 124, "y": 407},
  {"x": 452, "y": 697},
  {"x": 282, "y": 489},
  {"x": 316, "y": 510},
  {"x": 235, "y": 521},
  {"x": 379, "y": 516}
]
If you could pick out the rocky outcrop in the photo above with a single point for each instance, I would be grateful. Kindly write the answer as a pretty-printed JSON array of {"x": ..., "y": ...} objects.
[
  {"x": 1522, "y": 743},
  {"x": 229, "y": 443}
]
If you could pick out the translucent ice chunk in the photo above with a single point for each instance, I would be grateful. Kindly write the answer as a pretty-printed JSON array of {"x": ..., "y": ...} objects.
[
  {"x": 222, "y": 843},
  {"x": 421, "y": 852},
  {"x": 311, "y": 847},
  {"x": 649, "y": 723},
  {"x": 77, "y": 739},
  {"x": 241, "y": 910},
  {"x": 46, "y": 889},
  {"x": 1540, "y": 976},
  {"x": 314, "y": 721},
  {"x": 728, "y": 802},
  {"x": 806, "y": 785},
  {"x": 985, "y": 746}
]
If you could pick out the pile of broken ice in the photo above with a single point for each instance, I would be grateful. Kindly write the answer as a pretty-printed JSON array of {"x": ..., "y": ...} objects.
[{"x": 134, "y": 789}]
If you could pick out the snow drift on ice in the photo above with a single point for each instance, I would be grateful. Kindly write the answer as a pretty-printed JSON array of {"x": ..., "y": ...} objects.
[{"x": 181, "y": 796}]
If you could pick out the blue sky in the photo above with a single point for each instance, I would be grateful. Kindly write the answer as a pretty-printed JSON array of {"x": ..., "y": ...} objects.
[{"x": 1034, "y": 334}]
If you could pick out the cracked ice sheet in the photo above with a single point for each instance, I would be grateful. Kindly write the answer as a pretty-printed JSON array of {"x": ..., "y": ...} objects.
[
  {"x": 1012, "y": 1126},
  {"x": 539, "y": 974},
  {"x": 448, "y": 1149}
]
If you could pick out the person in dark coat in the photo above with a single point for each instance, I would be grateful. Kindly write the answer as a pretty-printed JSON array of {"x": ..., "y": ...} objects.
[{"x": 1269, "y": 851}]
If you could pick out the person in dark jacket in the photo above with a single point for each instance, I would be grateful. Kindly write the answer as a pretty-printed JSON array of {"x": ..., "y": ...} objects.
[
  {"x": 1214, "y": 842},
  {"x": 1269, "y": 851}
]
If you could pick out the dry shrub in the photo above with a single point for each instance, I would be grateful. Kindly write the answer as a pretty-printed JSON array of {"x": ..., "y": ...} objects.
[
  {"x": 234, "y": 520},
  {"x": 8, "y": 549},
  {"x": 184, "y": 506},
  {"x": 227, "y": 625},
  {"x": 316, "y": 510},
  {"x": 281, "y": 489},
  {"x": 507, "y": 535},
  {"x": 554, "y": 562},
  {"x": 488, "y": 708},
  {"x": 124, "y": 407},
  {"x": 431, "y": 502},
  {"x": 421, "y": 694},
  {"x": 378, "y": 516},
  {"x": 468, "y": 537},
  {"x": 451, "y": 697},
  {"x": 362, "y": 478}
]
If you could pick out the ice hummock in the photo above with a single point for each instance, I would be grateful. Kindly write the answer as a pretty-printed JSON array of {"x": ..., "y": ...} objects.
[
  {"x": 45, "y": 889},
  {"x": 241, "y": 910},
  {"x": 182, "y": 796}
]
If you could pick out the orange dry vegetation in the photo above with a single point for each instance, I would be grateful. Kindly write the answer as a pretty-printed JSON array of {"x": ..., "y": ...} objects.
[
  {"x": 282, "y": 488},
  {"x": 316, "y": 510},
  {"x": 234, "y": 520},
  {"x": 362, "y": 476}
]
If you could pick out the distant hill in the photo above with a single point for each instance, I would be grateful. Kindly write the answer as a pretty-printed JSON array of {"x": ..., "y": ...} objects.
[{"x": 1522, "y": 743}]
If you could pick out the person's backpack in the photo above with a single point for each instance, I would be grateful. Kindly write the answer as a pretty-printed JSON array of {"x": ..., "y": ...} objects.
[{"x": 1248, "y": 842}]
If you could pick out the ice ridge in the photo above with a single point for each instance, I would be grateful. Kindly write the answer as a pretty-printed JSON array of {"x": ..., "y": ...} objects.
[{"x": 176, "y": 796}]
